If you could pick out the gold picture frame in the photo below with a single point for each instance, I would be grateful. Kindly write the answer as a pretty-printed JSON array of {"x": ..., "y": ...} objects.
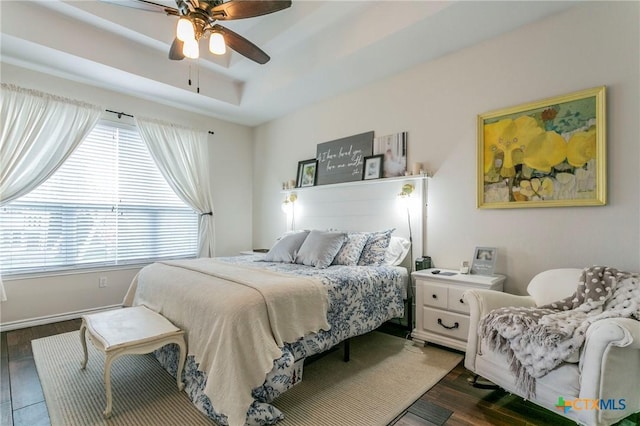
[{"x": 548, "y": 153}]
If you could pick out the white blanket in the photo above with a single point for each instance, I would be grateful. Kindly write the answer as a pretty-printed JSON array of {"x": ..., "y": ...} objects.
[{"x": 236, "y": 320}]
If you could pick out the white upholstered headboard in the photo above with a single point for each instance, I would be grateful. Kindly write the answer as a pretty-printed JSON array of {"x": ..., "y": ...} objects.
[{"x": 364, "y": 206}]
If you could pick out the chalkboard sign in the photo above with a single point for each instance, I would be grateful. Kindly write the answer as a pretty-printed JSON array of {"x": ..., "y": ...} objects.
[{"x": 342, "y": 160}]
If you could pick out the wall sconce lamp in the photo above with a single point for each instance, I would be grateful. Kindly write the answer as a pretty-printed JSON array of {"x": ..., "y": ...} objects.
[
  {"x": 407, "y": 190},
  {"x": 287, "y": 204},
  {"x": 288, "y": 207},
  {"x": 403, "y": 197}
]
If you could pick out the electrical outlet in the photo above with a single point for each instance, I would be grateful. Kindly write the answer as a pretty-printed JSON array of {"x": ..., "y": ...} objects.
[{"x": 102, "y": 282}]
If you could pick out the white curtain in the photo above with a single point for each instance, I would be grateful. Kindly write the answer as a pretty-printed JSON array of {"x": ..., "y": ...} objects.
[
  {"x": 182, "y": 157},
  {"x": 38, "y": 132}
]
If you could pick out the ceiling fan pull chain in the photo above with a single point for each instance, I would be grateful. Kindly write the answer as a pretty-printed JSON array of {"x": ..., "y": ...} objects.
[
  {"x": 189, "y": 73},
  {"x": 198, "y": 75}
]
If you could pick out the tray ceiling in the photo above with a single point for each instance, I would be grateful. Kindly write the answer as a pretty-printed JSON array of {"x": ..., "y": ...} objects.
[{"x": 318, "y": 49}]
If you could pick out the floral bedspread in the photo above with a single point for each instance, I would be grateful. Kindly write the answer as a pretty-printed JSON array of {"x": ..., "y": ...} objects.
[{"x": 361, "y": 298}]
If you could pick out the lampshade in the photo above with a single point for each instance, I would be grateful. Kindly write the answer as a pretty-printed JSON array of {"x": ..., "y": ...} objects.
[
  {"x": 407, "y": 189},
  {"x": 184, "y": 30},
  {"x": 286, "y": 206},
  {"x": 404, "y": 200},
  {"x": 191, "y": 49},
  {"x": 288, "y": 203},
  {"x": 217, "y": 45}
]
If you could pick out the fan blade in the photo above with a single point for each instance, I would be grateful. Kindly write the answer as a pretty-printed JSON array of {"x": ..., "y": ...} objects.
[
  {"x": 144, "y": 5},
  {"x": 239, "y": 9},
  {"x": 175, "y": 53},
  {"x": 241, "y": 45}
]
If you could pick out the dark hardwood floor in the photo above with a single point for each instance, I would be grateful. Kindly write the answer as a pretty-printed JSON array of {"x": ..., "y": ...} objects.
[
  {"x": 22, "y": 402},
  {"x": 451, "y": 402}
]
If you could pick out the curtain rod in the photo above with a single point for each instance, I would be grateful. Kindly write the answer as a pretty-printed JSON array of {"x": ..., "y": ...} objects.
[{"x": 120, "y": 114}]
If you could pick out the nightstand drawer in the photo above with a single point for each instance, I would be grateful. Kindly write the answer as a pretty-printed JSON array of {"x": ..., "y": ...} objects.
[
  {"x": 434, "y": 295},
  {"x": 456, "y": 302},
  {"x": 446, "y": 323}
]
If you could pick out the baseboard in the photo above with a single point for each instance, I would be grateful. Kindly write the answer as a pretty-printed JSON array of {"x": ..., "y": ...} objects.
[{"x": 32, "y": 322}]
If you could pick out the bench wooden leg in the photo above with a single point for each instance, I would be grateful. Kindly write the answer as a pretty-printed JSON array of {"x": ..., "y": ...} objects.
[
  {"x": 107, "y": 384},
  {"x": 183, "y": 357},
  {"x": 83, "y": 340}
]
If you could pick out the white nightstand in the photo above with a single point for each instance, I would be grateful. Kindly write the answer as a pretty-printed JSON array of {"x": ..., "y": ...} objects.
[
  {"x": 442, "y": 315},
  {"x": 250, "y": 252}
]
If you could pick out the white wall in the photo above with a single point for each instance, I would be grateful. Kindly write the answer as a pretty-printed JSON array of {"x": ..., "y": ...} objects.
[
  {"x": 230, "y": 155},
  {"x": 593, "y": 44}
]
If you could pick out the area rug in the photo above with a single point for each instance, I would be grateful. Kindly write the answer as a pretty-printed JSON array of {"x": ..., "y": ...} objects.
[{"x": 386, "y": 375}]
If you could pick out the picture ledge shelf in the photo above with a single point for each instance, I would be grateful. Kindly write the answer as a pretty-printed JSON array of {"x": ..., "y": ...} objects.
[{"x": 357, "y": 182}]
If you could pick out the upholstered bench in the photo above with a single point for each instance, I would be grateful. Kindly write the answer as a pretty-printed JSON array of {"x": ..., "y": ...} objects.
[{"x": 135, "y": 330}]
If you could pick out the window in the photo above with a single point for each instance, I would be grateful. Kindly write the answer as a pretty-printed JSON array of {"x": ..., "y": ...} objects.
[{"x": 107, "y": 204}]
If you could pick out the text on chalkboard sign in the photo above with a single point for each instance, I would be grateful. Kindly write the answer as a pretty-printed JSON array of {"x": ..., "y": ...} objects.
[{"x": 342, "y": 160}]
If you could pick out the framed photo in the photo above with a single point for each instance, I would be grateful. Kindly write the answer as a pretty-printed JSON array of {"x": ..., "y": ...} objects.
[
  {"x": 372, "y": 167},
  {"x": 307, "y": 172},
  {"x": 484, "y": 260},
  {"x": 547, "y": 153},
  {"x": 394, "y": 149}
]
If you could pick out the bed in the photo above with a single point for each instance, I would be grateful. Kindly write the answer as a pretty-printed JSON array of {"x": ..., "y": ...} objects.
[{"x": 357, "y": 299}]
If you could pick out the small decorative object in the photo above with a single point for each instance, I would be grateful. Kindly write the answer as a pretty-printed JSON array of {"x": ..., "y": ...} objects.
[
  {"x": 289, "y": 184},
  {"x": 372, "y": 167},
  {"x": 544, "y": 154},
  {"x": 484, "y": 260},
  {"x": 417, "y": 169},
  {"x": 307, "y": 173},
  {"x": 394, "y": 149},
  {"x": 464, "y": 267}
]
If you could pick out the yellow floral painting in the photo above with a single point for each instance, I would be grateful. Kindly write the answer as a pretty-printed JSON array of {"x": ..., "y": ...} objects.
[{"x": 544, "y": 154}]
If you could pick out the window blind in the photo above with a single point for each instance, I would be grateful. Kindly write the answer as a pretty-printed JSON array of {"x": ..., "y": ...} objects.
[{"x": 106, "y": 205}]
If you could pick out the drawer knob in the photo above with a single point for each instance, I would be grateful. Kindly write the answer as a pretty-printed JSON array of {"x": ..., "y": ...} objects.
[
  {"x": 453, "y": 327},
  {"x": 434, "y": 296},
  {"x": 462, "y": 300}
]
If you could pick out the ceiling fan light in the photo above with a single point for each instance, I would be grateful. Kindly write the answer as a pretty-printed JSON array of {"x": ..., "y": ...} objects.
[
  {"x": 185, "y": 30},
  {"x": 191, "y": 49},
  {"x": 217, "y": 46}
]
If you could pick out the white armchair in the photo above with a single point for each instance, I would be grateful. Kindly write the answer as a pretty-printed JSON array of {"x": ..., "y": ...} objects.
[{"x": 608, "y": 368}]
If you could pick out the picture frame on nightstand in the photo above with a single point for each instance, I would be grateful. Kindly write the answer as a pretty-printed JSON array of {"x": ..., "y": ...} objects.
[{"x": 484, "y": 261}]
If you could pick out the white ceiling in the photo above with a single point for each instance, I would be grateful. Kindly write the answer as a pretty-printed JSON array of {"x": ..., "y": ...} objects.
[{"x": 318, "y": 49}]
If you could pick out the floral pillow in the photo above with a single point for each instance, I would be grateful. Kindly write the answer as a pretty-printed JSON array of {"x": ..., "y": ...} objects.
[
  {"x": 350, "y": 252},
  {"x": 375, "y": 248}
]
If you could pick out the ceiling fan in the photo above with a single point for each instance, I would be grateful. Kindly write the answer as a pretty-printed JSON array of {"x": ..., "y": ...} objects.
[{"x": 198, "y": 19}]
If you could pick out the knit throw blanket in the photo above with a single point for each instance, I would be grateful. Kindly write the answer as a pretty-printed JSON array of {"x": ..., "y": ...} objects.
[{"x": 536, "y": 340}]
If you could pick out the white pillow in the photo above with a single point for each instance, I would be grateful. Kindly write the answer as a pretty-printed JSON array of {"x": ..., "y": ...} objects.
[
  {"x": 397, "y": 251},
  {"x": 286, "y": 248},
  {"x": 320, "y": 248}
]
